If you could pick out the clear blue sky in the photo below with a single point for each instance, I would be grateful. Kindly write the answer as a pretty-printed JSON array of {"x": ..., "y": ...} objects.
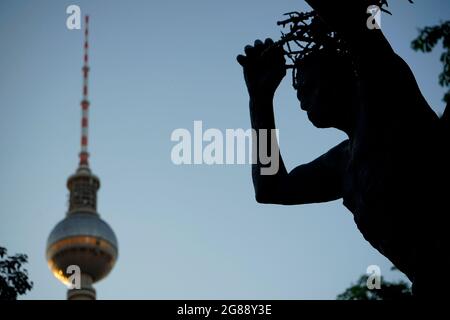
[{"x": 185, "y": 232}]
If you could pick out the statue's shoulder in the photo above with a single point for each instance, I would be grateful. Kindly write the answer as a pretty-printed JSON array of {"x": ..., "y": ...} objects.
[
  {"x": 338, "y": 156},
  {"x": 340, "y": 150}
]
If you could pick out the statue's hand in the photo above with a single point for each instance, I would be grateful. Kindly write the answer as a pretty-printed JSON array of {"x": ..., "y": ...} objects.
[{"x": 264, "y": 68}]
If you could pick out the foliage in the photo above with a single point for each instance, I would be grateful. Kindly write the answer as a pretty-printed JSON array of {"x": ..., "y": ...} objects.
[
  {"x": 14, "y": 279},
  {"x": 399, "y": 290},
  {"x": 426, "y": 41}
]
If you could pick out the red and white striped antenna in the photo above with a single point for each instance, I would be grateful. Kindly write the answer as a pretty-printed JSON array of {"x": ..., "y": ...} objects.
[{"x": 84, "y": 154}]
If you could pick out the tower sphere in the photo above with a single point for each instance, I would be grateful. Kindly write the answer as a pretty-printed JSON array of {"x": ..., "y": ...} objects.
[{"x": 85, "y": 240}]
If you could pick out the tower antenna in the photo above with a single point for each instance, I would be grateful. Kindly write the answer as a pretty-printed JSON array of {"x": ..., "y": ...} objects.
[{"x": 84, "y": 155}]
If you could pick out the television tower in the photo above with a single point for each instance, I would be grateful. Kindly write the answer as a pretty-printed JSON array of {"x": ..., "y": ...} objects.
[{"x": 82, "y": 239}]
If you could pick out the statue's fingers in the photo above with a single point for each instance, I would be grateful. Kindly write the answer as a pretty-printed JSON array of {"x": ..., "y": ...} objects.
[
  {"x": 258, "y": 44},
  {"x": 268, "y": 42},
  {"x": 249, "y": 51},
  {"x": 274, "y": 52},
  {"x": 242, "y": 60},
  {"x": 279, "y": 53}
]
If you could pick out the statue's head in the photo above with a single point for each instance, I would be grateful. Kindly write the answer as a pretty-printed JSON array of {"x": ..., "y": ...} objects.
[{"x": 325, "y": 84}]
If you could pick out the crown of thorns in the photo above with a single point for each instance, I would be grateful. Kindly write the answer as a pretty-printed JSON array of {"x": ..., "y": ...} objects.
[{"x": 308, "y": 34}]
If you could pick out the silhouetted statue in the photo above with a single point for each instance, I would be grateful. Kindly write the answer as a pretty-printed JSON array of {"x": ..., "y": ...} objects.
[{"x": 391, "y": 172}]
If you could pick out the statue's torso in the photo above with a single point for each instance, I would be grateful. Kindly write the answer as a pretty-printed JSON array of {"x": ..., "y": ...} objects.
[{"x": 392, "y": 192}]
